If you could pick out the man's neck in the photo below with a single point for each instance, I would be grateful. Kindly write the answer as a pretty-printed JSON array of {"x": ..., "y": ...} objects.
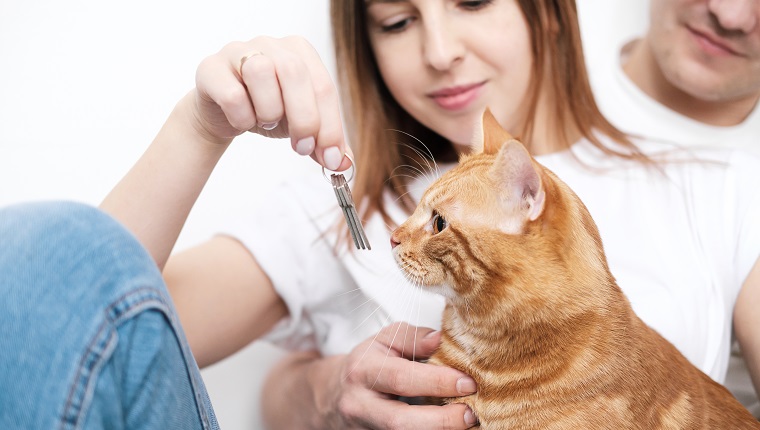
[{"x": 642, "y": 68}]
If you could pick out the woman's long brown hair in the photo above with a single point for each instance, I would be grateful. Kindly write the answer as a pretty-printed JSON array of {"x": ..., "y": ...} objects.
[{"x": 370, "y": 112}]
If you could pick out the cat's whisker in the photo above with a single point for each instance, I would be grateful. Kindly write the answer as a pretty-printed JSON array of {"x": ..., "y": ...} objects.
[
  {"x": 419, "y": 306},
  {"x": 428, "y": 157},
  {"x": 361, "y": 305},
  {"x": 404, "y": 171},
  {"x": 374, "y": 339},
  {"x": 417, "y": 170},
  {"x": 364, "y": 354},
  {"x": 419, "y": 189},
  {"x": 401, "y": 175},
  {"x": 412, "y": 177},
  {"x": 401, "y": 196},
  {"x": 366, "y": 319},
  {"x": 411, "y": 294},
  {"x": 348, "y": 292},
  {"x": 387, "y": 319},
  {"x": 387, "y": 354}
]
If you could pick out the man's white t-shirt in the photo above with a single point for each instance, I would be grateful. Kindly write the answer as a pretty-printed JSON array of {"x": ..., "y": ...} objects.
[
  {"x": 633, "y": 111},
  {"x": 680, "y": 245}
]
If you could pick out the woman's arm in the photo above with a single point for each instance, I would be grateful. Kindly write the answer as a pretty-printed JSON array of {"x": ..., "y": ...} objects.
[
  {"x": 747, "y": 323},
  {"x": 281, "y": 90},
  {"x": 360, "y": 390},
  {"x": 224, "y": 299},
  {"x": 154, "y": 198}
]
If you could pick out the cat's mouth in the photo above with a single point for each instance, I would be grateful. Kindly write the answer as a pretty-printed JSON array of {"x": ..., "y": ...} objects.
[
  {"x": 412, "y": 269},
  {"x": 421, "y": 276}
]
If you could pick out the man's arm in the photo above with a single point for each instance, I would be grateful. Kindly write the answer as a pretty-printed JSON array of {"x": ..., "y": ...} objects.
[{"x": 747, "y": 323}]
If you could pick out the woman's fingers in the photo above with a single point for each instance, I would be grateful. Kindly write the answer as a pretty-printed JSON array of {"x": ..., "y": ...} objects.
[
  {"x": 383, "y": 364},
  {"x": 406, "y": 378},
  {"x": 378, "y": 370},
  {"x": 259, "y": 75},
  {"x": 311, "y": 104},
  {"x": 290, "y": 93},
  {"x": 409, "y": 341},
  {"x": 385, "y": 414},
  {"x": 330, "y": 142},
  {"x": 224, "y": 108}
]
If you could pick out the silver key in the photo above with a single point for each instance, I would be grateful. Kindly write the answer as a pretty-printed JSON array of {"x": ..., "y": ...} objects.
[{"x": 346, "y": 202}]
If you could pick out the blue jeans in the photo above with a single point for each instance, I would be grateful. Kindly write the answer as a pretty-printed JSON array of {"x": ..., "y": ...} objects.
[{"x": 89, "y": 338}]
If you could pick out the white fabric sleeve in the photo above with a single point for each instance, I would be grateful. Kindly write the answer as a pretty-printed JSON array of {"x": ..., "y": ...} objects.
[
  {"x": 747, "y": 182},
  {"x": 279, "y": 237}
]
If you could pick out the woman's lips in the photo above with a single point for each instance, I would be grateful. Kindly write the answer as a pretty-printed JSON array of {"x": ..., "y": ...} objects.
[{"x": 458, "y": 97}]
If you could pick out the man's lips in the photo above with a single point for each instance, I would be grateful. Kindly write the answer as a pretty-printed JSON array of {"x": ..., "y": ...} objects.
[{"x": 714, "y": 44}]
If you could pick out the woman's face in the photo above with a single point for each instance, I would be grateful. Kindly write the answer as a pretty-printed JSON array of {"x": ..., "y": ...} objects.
[{"x": 445, "y": 61}]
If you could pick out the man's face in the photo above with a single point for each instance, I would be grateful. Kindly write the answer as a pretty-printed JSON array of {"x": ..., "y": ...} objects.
[{"x": 709, "y": 49}]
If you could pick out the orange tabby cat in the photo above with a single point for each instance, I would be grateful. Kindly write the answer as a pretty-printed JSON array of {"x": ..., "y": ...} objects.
[{"x": 533, "y": 313}]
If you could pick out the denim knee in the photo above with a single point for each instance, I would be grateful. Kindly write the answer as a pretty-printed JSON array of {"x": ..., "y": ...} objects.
[
  {"x": 59, "y": 236},
  {"x": 70, "y": 278}
]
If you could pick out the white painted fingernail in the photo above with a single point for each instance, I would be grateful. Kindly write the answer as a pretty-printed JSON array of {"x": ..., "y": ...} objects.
[
  {"x": 469, "y": 417},
  {"x": 432, "y": 334},
  {"x": 466, "y": 385},
  {"x": 332, "y": 157},
  {"x": 305, "y": 146},
  {"x": 269, "y": 125}
]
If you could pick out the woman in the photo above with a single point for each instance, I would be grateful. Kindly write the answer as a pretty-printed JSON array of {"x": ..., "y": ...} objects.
[
  {"x": 427, "y": 68},
  {"x": 429, "y": 60}
]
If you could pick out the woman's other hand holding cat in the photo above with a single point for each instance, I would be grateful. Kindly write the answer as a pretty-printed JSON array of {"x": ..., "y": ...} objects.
[
  {"x": 360, "y": 390},
  {"x": 274, "y": 87}
]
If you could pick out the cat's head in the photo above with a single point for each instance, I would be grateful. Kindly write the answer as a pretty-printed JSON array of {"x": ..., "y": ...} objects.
[{"x": 499, "y": 224}]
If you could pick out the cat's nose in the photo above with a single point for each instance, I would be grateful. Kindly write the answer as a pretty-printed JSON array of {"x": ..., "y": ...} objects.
[{"x": 394, "y": 242}]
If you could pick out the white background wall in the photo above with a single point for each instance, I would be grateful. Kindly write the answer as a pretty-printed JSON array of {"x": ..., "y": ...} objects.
[{"x": 86, "y": 84}]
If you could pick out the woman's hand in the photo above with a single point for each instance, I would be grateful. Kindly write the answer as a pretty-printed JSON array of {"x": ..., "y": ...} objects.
[
  {"x": 274, "y": 87},
  {"x": 360, "y": 390}
]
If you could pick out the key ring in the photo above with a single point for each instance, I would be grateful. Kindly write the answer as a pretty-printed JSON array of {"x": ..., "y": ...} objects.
[
  {"x": 346, "y": 203},
  {"x": 353, "y": 170}
]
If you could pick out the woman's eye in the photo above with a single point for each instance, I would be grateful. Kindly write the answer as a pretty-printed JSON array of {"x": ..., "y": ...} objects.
[
  {"x": 396, "y": 26},
  {"x": 475, "y": 4},
  {"x": 439, "y": 224}
]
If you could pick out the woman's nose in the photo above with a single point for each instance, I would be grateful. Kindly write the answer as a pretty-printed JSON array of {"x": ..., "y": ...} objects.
[{"x": 443, "y": 48}]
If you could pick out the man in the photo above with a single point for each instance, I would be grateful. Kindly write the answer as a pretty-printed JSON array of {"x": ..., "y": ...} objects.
[{"x": 693, "y": 79}]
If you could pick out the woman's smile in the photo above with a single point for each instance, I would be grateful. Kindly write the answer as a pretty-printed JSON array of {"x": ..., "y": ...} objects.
[{"x": 457, "y": 98}]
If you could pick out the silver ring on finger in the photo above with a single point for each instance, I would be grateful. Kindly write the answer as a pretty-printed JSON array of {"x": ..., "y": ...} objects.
[{"x": 245, "y": 58}]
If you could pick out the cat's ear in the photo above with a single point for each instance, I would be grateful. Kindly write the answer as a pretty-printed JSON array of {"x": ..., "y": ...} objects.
[
  {"x": 516, "y": 172},
  {"x": 489, "y": 136}
]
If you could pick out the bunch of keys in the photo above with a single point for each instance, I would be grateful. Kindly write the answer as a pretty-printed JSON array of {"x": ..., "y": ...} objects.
[{"x": 346, "y": 202}]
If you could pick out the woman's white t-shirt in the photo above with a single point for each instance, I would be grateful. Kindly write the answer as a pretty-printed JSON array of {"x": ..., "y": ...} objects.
[{"x": 679, "y": 242}]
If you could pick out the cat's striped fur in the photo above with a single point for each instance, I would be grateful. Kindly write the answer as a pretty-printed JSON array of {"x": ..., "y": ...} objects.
[{"x": 533, "y": 313}]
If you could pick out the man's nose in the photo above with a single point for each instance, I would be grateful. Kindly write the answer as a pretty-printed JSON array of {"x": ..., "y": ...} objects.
[{"x": 736, "y": 15}]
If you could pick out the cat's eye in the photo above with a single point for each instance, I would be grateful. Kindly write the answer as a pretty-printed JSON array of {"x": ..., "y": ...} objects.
[{"x": 439, "y": 223}]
